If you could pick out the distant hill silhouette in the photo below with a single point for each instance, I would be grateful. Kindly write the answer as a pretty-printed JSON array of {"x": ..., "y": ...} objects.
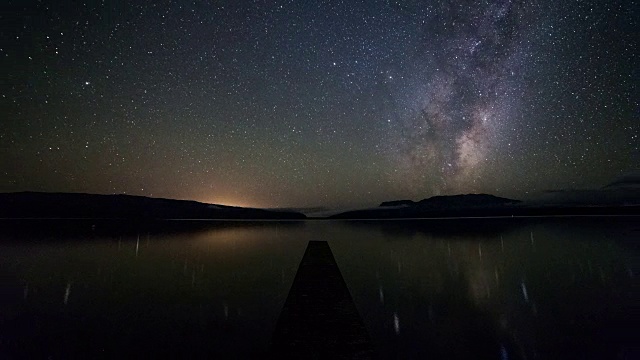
[
  {"x": 88, "y": 206},
  {"x": 397, "y": 203},
  {"x": 479, "y": 205},
  {"x": 465, "y": 201},
  {"x": 623, "y": 191},
  {"x": 439, "y": 202},
  {"x": 628, "y": 181},
  {"x": 35, "y": 205}
]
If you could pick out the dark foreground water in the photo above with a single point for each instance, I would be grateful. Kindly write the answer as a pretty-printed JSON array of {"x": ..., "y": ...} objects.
[{"x": 534, "y": 289}]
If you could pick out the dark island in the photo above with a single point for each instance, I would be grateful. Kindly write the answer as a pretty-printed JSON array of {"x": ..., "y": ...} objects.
[{"x": 481, "y": 205}]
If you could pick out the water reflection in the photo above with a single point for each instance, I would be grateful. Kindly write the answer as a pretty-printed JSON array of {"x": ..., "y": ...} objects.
[
  {"x": 67, "y": 292},
  {"x": 496, "y": 289},
  {"x": 541, "y": 290},
  {"x": 205, "y": 293},
  {"x": 396, "y": 323}
]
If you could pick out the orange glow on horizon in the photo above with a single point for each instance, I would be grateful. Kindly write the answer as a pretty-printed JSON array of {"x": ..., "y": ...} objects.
[{"x": 229, "y": 202}]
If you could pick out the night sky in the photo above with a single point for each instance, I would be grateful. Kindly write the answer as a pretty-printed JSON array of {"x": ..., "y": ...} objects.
[{"x": 317, "y": 103}]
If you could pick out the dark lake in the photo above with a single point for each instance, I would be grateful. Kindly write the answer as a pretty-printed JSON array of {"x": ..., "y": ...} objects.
[{"x": 516, "y": 289}]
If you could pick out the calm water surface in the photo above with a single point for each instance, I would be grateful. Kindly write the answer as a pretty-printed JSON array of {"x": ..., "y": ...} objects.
[{"x": 538, "y": 289}]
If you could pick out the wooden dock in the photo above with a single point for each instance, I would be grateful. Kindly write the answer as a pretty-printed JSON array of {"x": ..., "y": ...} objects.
[{"x": 319, "y": 319}]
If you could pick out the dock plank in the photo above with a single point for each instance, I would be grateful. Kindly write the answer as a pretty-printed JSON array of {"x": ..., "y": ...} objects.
[{"x": 319, "y": 319}]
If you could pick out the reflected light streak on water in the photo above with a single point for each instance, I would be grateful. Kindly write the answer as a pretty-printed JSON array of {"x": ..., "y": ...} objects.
[{"x": 396, "y": 323}]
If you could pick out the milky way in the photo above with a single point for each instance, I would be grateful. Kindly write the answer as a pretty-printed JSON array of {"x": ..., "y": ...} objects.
[
  {"x": 307, "y": 103},
  {"x": 469, "y": 69}
]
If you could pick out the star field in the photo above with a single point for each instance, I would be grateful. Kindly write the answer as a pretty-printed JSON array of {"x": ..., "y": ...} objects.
[{"x": 334, "y": 103}]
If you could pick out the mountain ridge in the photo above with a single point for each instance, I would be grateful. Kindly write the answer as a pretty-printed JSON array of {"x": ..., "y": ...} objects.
[
  {"x": 123, "y": 206},
  {"x": 480, "y": 205}
]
